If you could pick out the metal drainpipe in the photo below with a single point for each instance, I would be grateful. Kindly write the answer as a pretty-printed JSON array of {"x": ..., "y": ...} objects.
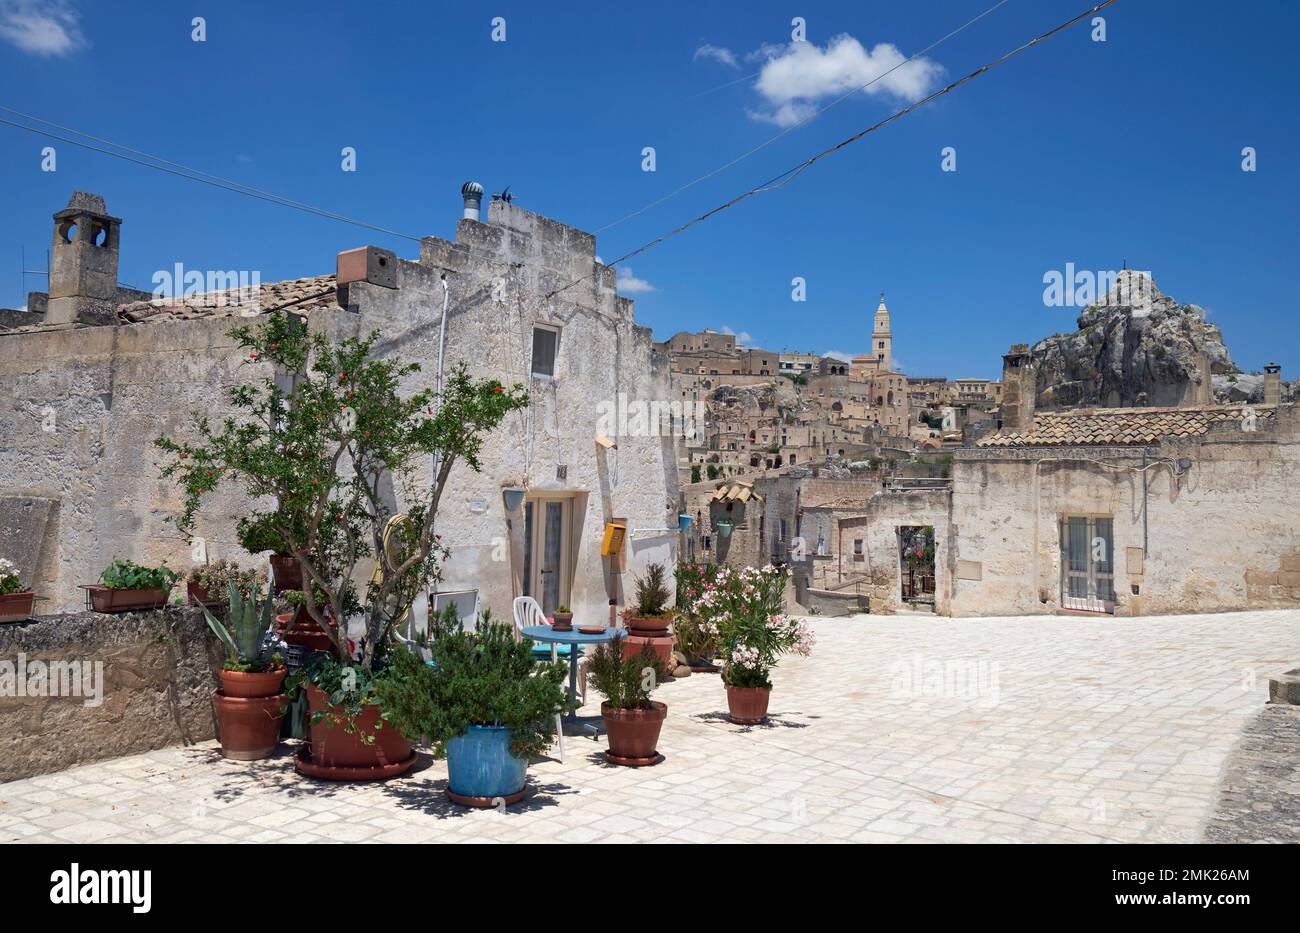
[
  {"x": 433, "y": 466},
  {"x": 1144, "y": 505}
]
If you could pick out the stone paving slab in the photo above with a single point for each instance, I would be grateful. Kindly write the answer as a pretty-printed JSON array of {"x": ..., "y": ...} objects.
[{"x": 897, "y": 729}]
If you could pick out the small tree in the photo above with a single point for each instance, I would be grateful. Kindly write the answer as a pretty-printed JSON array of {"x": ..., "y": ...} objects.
[{"x": 326, "y": 450}]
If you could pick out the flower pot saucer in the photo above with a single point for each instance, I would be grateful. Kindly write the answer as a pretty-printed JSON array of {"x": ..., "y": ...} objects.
[
  {"x": 735, "y": 720},
  {"x": 704, "y": 668},
  {"x": 486, "y": 803},
  {"x": 593, "y": 629},
  {"x": 633, "y": 762},
  {"x": 302, "y": 760}
]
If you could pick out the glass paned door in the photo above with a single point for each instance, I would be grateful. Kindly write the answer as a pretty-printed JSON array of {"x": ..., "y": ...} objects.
[
  {"x": 546, "y": 559},
  {"x": 1087, "y": 563}
]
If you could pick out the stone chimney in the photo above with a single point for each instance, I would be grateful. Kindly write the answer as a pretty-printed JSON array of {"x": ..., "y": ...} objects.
[
  {"x": 1272, "y": 384},
  {"x": 1019, "y": 388},
  {"x": 83, "y": 263}
]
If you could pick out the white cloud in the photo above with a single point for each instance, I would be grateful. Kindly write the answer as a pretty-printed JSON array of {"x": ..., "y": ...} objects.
[
  {"x": 743, "y": 338},
  {"x": 42, "y": 27},
  {"x": 718, "y": 54},
  {"x": 798, "y": 78},
  {"x": 839, "y": 355},
  {"x": 630, "y": 284}
]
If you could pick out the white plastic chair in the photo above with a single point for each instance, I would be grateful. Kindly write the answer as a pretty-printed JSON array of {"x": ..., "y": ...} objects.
[{"x": 527, "y": 612}]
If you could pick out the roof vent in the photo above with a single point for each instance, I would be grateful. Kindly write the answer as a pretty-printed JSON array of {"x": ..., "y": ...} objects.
[{"x": 472, "y": 192}]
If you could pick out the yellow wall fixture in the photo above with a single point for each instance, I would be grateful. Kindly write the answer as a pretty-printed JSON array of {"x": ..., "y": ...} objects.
[{"x": 613, "y": 542}]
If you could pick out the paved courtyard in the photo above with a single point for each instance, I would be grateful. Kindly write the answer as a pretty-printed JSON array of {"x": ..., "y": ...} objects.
[{"x": 896, "y": 729}]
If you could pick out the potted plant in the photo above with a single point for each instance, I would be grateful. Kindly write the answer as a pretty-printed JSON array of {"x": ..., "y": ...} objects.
[
  {"x": 651, "y": 615},
  {"x": 632, "y": 720},
  {"x": 322, "y": 436},
  {"x": 695, "y": 625},
  {"x": 562, "y": 619},
  {"x": 484, "y": 703},
  {"x": 754, "y": 633},
  {"x": 208, "y": 584},
  {"x": 250, "y": 705},
  {"x": 125, "y": 585},
  {"x": 259, "y": 537},
  {"x": 15, "y": 599}
]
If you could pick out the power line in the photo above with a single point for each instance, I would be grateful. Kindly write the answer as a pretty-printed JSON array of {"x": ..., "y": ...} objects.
[
  {"x": 193, "y": 174},
  {"x": 804, "y": 122},
  {"x": 791, "y": 174}
]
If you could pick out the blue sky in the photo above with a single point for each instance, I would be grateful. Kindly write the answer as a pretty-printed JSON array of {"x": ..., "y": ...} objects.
[{"x": 1076, "y": 152}]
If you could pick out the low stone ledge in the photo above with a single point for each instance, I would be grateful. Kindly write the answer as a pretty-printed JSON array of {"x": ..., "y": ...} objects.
[
  {"x": 1285, "y": 688},
  {"x": 122, "y": 684}
]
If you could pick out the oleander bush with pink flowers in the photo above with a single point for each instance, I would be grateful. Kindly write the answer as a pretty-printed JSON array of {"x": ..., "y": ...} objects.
[{"x": 744, "y": 610}]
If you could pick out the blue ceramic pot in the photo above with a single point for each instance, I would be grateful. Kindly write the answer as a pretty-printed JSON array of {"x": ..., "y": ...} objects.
[{"x": 479, "y": 763}]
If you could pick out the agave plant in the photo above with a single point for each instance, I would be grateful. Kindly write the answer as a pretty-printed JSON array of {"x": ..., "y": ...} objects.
[{"x": 244, "y": 635}]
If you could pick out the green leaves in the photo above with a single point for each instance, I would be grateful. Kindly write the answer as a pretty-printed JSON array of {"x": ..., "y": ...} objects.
[
  {"x": 484, "y": 677},
  {"x": 244, "y": 635},
  {"x": 128, "y": 575},
  {"x": 623, "y": 678}
]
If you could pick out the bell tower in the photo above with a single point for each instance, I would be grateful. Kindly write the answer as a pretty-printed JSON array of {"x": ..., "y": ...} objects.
[{"x": 882, "y": 341}]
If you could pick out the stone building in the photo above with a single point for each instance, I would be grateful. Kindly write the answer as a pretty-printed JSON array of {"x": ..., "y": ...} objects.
[
  {"x": 1123, "y": 511},
  {"x": 83, "y": 395}
]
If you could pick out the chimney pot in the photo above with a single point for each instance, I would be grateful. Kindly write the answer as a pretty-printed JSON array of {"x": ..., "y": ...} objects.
[{"x": 1272, "y": 384}]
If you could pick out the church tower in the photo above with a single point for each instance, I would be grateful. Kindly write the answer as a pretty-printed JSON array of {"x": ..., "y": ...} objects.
[{"x": 882, "y": 342}]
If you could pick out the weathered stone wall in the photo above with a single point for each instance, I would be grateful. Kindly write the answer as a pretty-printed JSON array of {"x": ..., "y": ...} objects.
[
  {"x": 1225, "y": 537},
  {"x": 79, "y": 410},
  {"x": 159, "y": 671}
]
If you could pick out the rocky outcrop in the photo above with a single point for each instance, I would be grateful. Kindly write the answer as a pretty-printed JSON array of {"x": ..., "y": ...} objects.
[
  {"x": 1134, "y": 347},
  {"x": 1248, "y": 388}
]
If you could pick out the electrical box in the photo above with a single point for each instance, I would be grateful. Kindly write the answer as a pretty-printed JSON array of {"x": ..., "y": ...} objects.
[{"x": 612, "y": 545}]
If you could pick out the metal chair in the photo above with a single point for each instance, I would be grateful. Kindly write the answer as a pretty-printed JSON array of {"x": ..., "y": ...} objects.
[{"x": 527, "y": 612}]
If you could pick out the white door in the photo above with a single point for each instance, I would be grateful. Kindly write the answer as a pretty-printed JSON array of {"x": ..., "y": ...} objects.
[{"x": 547, "y": 526}]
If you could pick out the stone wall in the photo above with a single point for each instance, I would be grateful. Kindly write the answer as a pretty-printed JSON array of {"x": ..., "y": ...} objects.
[
  {"x": 155, "y": 688},
  {"x": 1226, "y": 536},
  {"x": 80, "y": 408}
]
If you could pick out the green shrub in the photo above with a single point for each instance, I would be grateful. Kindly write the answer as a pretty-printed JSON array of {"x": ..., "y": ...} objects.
[{"x": 625, "y": 679}]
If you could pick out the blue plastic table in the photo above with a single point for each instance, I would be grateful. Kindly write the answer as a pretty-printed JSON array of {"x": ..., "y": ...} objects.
[{"x": 544, "y": 633}]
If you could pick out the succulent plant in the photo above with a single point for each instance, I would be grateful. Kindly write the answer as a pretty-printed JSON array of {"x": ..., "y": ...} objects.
[{"x": 244, "y": 634}]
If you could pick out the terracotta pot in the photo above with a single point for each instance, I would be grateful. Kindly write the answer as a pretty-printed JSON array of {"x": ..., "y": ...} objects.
[
  {"x": 633, "y": 733},
  {"x": 661, "y": 645},
  {"x": 747, "y": 706},
  {"x": 202, "y": 596},
  {"x": 339, "y": 755},
  {"x": 562, "y": 621},
  {"x": 242, "y": 684},
  {"x": 249, "y": 727},
  {"x": 305, "y": 631},
  {"x": 16, "y": 607},
  {"x": 649, "y": 625},
  {"x": 287, "y": 572},
  {"x": 103, "y": 599}
]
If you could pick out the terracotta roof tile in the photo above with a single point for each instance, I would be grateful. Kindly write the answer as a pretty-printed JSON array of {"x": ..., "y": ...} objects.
[
  {"x": 304, "y": 295},
  {"x": 1121, "y": 426}
]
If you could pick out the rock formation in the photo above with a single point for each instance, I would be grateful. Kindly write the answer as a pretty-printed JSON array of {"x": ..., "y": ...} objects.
[{"x": 1134, "y": 347}]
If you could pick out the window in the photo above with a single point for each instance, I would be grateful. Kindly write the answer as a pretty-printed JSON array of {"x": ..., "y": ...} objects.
[
  {"x": 545, "y": 343},
  {"x": 857, "y": 549}
]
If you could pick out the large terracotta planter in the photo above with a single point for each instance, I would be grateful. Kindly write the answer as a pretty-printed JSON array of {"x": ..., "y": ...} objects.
[
  {"x": 338, "y": 755},
  {"x": 286, "y": 572},
  {"x": 16, "y": 607},
  {"x": 633, "y": 734},
  {"x": 263, "y": 684},
  {"x": 661, "y": 645},
  {"x": 249, "y": 727},
  {"x": 747, "y": 706},
  {"x": 104, "y": 599}
]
